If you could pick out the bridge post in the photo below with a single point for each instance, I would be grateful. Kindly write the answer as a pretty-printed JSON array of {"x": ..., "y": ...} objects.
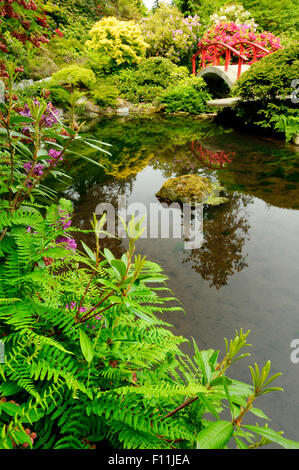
[
  {"x": 227, "y": 59},
  {"x": 193, "y": 66},
  {"x": 240, "y": 62}
]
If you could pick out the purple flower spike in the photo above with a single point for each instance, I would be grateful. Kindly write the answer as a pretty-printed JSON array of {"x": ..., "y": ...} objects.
[{"x": 70, "y": 243}]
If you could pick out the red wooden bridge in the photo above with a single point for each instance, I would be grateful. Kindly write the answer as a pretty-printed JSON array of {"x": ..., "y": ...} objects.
[{"x": 225, "y": 60}]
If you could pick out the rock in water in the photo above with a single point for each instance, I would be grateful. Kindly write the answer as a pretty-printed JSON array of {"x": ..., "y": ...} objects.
[{"x": 191, "y": 189}]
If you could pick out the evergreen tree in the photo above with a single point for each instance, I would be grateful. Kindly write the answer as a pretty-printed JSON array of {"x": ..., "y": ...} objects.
[{"x": 277, "y": 16}]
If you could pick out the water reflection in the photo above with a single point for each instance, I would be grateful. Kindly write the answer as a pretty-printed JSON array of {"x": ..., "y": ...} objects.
[
  {"x": 226, "y": 229},
  {"x": 214, "y": 160},
  {"x": 246, "y": 273}
]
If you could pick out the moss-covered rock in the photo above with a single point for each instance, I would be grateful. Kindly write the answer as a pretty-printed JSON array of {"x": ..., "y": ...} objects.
[{"x": 191, "y": 189}]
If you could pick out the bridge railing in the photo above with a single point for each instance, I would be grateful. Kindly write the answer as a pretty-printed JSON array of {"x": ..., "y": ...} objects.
[{"x": 217, "y": 49}]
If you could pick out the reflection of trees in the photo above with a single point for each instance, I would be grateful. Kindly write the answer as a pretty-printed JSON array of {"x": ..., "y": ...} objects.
[
  {"x": 225, "y": 232},
  {"x": 106, "y": 192}
]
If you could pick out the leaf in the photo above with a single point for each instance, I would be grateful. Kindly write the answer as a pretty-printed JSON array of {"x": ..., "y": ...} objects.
[
  {"x": 108, "y": 255},
  {"x": 240, "y": 443},
  {"x": 88, "y": 251},
  {"x": 202, "y": 360},
  {"x": 92, "y": 161},
  {"x": 208, "y": 405},
  {"x": 259, "y": 413},
  {"x": 273, "y": 436},
  {"x": 96, "y": 147},
  {"x": 21, "y": 437},
  {"x": 9, "y": 388},
  {"x": 110, "y": 284},
  {"x": 10, "y": 408},
  {"x": 20, "y": 119},
  {"x": 86, "y": 346},
  {"x": 228, "y": 398},
  {"x": 215, "y": 435},
  {"x": 119, "y": 267},
  {"x": 219, "y": 381}
]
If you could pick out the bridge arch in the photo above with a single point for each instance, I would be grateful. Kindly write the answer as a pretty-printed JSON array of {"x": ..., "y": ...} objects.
[{"x": 217, "y": 73}]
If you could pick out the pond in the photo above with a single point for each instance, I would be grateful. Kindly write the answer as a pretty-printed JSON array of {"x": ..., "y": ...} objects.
[{"x": 245, "y": 274}]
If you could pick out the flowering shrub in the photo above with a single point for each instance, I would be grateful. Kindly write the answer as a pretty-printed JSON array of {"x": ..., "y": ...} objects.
[
  {"x": 233, "y": 14},
  {"x": 25, "y": 20},
  {"x": 22, "y": 22},
  {"x": 121, "y": 41},
  {"x": 232, "y": 33},
  {"x": 171, "y": 35}
]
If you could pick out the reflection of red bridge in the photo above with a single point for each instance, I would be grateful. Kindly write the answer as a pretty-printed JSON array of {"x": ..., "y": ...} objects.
[{"x": 214, "y": 160}]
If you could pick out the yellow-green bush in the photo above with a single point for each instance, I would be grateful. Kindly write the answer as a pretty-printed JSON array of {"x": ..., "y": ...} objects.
[
  {"x": 105, "y": 93},
  {"x": 74, "y": 76},
  {"x": 121, "y": 41}
]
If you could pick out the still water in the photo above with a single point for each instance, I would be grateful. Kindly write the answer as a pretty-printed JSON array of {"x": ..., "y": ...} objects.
[{"x": 245, "y": 275}]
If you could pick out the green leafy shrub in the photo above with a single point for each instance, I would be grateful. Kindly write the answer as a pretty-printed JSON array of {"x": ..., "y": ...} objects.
[
  {"x": 121, "y": 41},
  {"x": 271, "y": 76},
  {"x": 281, "y": 118},
  {"x": 73, "y": 18},
  {"x": 74, "y": 76},
  {"x": 87, "y": 360},
  {"x": 265, "y": 82},
  {"x": 42, "y": 65},
  {"x": 59, "y": 96},
  {"x": 105, "y": 93},
  {"x": 151, "y": 77},
  {"x": 64, "y": 50},
  {"x": 277, "y": 16},
  {"x": 188, "y": 95}
]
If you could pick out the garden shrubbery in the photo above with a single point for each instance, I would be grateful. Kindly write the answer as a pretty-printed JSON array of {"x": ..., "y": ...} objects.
[
  {"x": 269, "y": 82},
  {"x": 151, "y": 77},
  {"x": 74, "y": 76},
  {"x": 189, "y": 95},
  {"x": 87, "y": 360},
  {"x": 105, "y": 93},
  {"x": 270, "y": 77},
  {"x": 121, "y": 41}
]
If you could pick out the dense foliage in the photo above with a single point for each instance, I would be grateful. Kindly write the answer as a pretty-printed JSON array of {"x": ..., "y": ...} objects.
[
  {"x": 188, "y": 95},
  {"x": 151, "y": 77},
  {"x": 74, "y": 76},
  {"x": 270, "y": 81},
  {"x": 271, "y": 77},
  {"x": 120, "y": 41},
  {"x": 87, "y": 359},
  {"x": 277, "y": 16},
  {"x": 171, "y": 35}
]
